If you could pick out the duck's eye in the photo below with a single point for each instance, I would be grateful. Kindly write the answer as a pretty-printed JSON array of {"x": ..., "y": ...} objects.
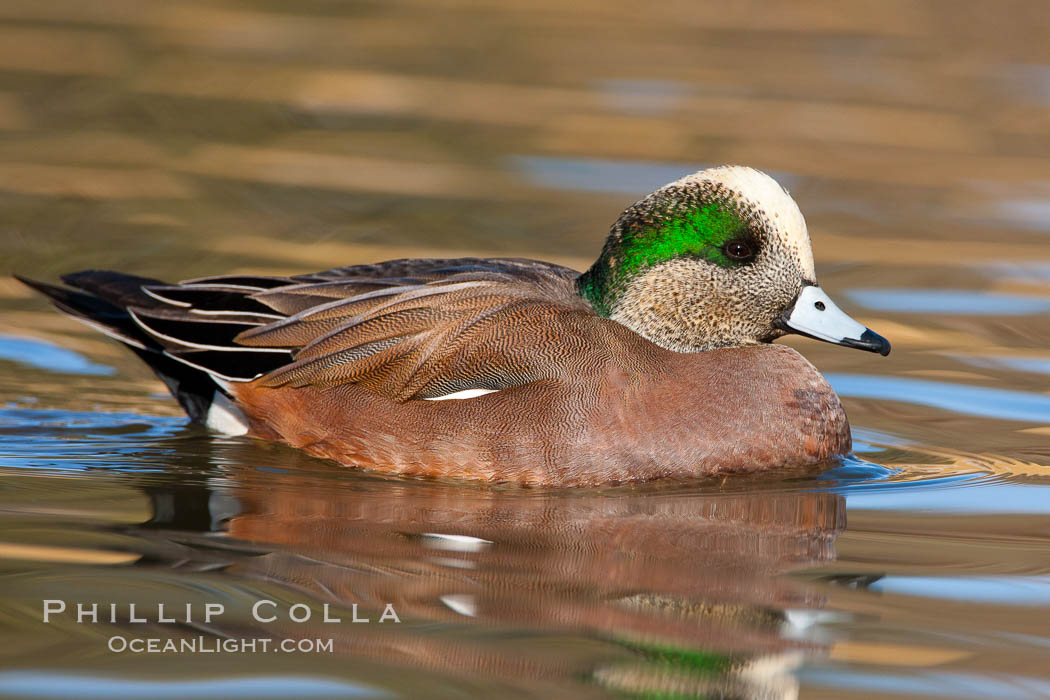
[{"x": 739, "y": 250}]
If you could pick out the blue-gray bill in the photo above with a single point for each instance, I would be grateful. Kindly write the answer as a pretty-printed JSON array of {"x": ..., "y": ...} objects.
[{"x": 815, "y": 315}]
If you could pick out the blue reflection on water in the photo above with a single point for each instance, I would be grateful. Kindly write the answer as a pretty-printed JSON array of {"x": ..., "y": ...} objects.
[
  {"x": 853, "y": 470},
  {"x": 1038, "y": 365},
  {"x": 929, "y": 683},
  {"x": 71, "y": 440},
  {"x": 44, "y": 355},
  {"x": 967, "y": 302},
  {"x": 1004, "y": 590},
  {"x": 980, "y": 401},
  {"x": 46, "y": 684},
  {"x": 932, "y": 496}
]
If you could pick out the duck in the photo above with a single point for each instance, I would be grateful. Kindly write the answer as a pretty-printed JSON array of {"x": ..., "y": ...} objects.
[{"x": 656, "y": 362}]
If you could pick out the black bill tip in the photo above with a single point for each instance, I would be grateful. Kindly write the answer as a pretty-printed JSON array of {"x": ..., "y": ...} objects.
[{"x": 869, "y": 340}]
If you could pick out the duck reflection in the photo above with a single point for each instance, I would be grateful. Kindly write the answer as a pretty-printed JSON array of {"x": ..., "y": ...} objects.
[{"x": 640, "y": 589}]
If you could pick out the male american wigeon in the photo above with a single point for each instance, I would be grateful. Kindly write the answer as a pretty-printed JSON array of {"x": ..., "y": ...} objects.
[{"x": 655, "y": 362}]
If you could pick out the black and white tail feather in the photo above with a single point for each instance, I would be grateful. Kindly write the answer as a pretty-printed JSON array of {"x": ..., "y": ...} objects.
[{"x": 183, "y": 332}]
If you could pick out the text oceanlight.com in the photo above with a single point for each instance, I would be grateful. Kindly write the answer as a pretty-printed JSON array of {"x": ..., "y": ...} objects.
[{"x": 211, "y": 645}]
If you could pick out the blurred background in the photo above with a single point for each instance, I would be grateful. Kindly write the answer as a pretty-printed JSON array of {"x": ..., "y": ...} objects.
[{"x": 183, "y": 139}]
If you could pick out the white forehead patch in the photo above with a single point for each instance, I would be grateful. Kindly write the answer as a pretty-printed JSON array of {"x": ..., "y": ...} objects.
[{"x": 765, "y": 193}]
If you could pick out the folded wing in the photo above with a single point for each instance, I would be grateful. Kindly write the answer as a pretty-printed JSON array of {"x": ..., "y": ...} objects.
[{"x": 406, "y": 329}]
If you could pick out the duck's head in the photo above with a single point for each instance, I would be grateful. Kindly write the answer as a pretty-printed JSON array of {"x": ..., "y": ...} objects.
[{"x": 720, "y": 258}]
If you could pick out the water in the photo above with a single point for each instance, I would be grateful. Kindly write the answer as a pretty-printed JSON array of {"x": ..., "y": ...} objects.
[{"x": 184, "y": 139}]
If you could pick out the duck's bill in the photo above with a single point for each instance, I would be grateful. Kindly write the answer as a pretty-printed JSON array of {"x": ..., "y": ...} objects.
[{"x": 815, "y": 315}]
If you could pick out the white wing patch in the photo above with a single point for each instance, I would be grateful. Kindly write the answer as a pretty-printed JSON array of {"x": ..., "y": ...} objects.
[
  {"x": 454, "y": 543},
  {"x": 465, "y": 394}
]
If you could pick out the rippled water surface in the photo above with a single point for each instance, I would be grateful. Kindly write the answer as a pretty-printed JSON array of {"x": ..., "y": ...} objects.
[{"x": 206, "y": 136}]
